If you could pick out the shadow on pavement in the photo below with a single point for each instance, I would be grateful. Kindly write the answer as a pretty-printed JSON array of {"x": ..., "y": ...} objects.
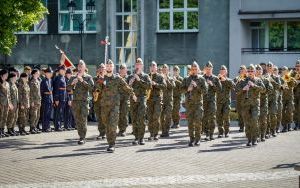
[
  {"x": 227, "y": 145},
  {"x": 163, "y": 147},
  {"x": 15, "y": 143},
  {"x": 291, "y": 165}
]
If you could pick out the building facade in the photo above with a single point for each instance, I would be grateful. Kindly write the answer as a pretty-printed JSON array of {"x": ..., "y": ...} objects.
[{"x": 175, "y": 32}]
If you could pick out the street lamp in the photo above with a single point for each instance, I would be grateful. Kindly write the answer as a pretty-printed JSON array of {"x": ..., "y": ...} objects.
[{"x": 90, "y": 7}]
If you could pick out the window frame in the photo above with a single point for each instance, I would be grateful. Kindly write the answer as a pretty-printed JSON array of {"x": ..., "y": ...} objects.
[
  {"x": 171, "y": 10},
  {"x": 84, "y": 14}
]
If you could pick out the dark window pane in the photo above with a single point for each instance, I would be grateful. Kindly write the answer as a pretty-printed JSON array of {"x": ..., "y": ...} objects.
[
  {"x": 276, "y": 35},
  {"x": 192, "y": 3},
  {"x": 75, "y": 22},
  {"x": 127, "y": 22},
  {"x": 178, "y": 22},
  {"x": 91, "y": 24},
  {"x": 178, "y": 3},
  {"x": 63, "y": 4},
  {"x": 128, "y": 57},
  {"x": 119, "y": 39},
  {"x": 293, "y": 35},
  {"x": 127, "y": 5},
  {"x": 134, "y": 5},
  {"x": 164, "y": 3},
  {"x": 119, "y": 56},
  {"x": 134, "y": 22},
  {"x": 79, "y": 4},
  {"x": 261, "y": 38},
  {"x": 164, "y": 20},
  {"x": 192, "y": 20},
  {"x": 119, "y": 5},
  {"x": 127, "y": 39},
  {"x": 64, "y": 22},
  {"x": 119, "y": 22}
]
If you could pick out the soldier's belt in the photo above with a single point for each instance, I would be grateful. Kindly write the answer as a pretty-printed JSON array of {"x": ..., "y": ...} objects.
[
  {"x": 48, "y": 93},
  {"x": 62, "y": 88}
]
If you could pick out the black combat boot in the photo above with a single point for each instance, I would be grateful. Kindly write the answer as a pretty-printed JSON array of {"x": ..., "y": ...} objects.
[
  {"x": 249, "y": 143},
  {"x": 151, "y": 137},
  {"x": 211, "y": 137},
  {"x": 1, "y": 134},
  {"x": 262, "y": 138},
  {"x": 296, "y": 126},
  {"x": 156, "y": 137},
  {"x": 4, "y": 133},
  {"x": 110, "y": 149},
  {"x": 81, "y": 141},
  {"x": 191, "y": 143},
  {"x": 10, "y": 132},
  {"x": 254, "y": 142},
  {"x": 289, "y": 127},
  {"x": 197, "y": 143},
  {"x": 32, "y": 131},
  {"x": 135, "y": 142},
  {"x": 142, "y": 142}
]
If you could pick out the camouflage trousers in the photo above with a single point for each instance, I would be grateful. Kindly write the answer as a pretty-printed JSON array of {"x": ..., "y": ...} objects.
[
  {"x": 3, "y": 116},
  {"x": 175, "y": 111},
  {"x": 223, "y": 118},
  {"x": 110, "y": 118},
  {"x": 263, "y": 122},
  {"x": 272, "y": 117},
  {"x": 101, "y": 126},
  {"x": 239, "y": 109},
  {"x": 279, "y": 114},
  {"x": 34, "y": 115},
  {"x": 153, "y": 112},
  {"x": 297, "y": 110},
  {"x": 12, "y": 118},
  {"x": 81, "y": 111},
  {"x": 166, "y": 117},
  {"x": 123, "y": 116},
  {"x": 287, "y": 111},
  {"x": 23, "y": 117},
  {"x": 194, "y": 114},
  {"x": 209, "y": 118},
  {"x": 138, "y": 111},
  {"x": 250, "y": 113}
]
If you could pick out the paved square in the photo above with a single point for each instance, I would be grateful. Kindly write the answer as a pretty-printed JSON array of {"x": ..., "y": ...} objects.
[{"x": 55, "y": 160}]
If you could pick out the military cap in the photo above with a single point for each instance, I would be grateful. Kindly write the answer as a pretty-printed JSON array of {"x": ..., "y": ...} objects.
[
  {"x": 165, "y": 66},
  {"x": 49, "y": 70},
  {"x": 209, "y": 65},
  {"x": 62, "y": 67},
  {"x": 243, "y": 67},
  {"x": 194, "y": 64},
  {"x": 153, "y": 63},
  {"x": 3, "y": 71},
  {"x": 251, "y": 67},
  {"x": 23, "y": 75},
  {"x": 109, "y": 61},
  {"x": 123, "y": 66},
  {"x": 298, "y": 62},
  {"x": 139, "y": 60},
  {"x": 176, "y": 68},
  {"x": 258, "y": 67},
  {"x": 223, "y": 67},
  {"x": 270, "y": 64},
  {"x": 69, "y": 71},
  {"x": 27, "y": 68},
  {"x": 188, "y": 67},
  {"x": 12, "y": 69},
  {"x": 11, "y": 75},
  {"x": 284, "y": 68},
  {"x": 275, "y": 68},
  {"x": 101, "y": 66}
]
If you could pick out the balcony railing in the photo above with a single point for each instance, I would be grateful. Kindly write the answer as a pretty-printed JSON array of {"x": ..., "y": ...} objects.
[{"x": 271, "y": 50}]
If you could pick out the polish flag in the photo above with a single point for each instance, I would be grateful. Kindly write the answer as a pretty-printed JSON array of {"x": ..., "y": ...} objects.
[{"x": 64, "y": 60}]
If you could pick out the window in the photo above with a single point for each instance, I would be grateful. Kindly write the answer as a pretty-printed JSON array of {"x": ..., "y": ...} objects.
[
  {"x": 257, "y": 35},
  {"x": 178, "y": 15},
  {"x": 293, "y": 36},
  {"x": 126, "y": 32},
  {"x": 276, "y": 35},
  {"x": 68, "y": 25},
  {"x": 41, "y": 27}
]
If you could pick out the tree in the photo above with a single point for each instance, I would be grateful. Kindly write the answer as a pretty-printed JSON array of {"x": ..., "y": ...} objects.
[{"x": 15, "y": 16}]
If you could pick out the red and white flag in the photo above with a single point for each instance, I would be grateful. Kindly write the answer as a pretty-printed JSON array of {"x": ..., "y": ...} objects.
[{"x": 64, "y": 60}]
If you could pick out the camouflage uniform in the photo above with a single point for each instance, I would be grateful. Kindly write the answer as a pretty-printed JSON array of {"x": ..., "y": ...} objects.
[
  {"x": 239, "y": 102},
  {"x": 124, "y": 108},
  {"x": 110, "y": 91},
  {"x": 297, "y": 100},
  {"x": 210, "y": 108},
  {"x": 5, "y": 101},
  {"x": 288, "y": 103},
  {"x": 97, "y": 108},
  {"x": 251, "y": 106},
  {"x": 154, "y": 104},
  {"x": 13, "y": 114},
  {"x": 35, "y": 97},
  {"x": 194, "y": 105},
  {"x": 138, "y": 109},
  {"x": 80, "y": 104},
  {"x": 167, "y": 106},
  {"x": 176, "y": 100},
  {"x": 24, "y": 101},
  {"x": 223, "y": 106}
]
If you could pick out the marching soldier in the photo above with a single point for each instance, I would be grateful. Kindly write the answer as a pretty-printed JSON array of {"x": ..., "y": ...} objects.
[
  {"x": 296, "y": 75},
  {"x": 24, "y": 103},
  {"x": 69, "y": 121},
  {"x": 141, "y": 84},
  {"x": 154, "y": 101},
  {"x": 47, "y": 99},
  {"x": 287, "y": 99},
  {"x": 124, "y": 104},
  {"x": 5, "y": 101},
  {"x": 239, "y": 98},
  {"x": 210, "y": 108},
  {"x": 194, "y": 87},
  {"x": 167, "y": 102},
  {"x": 279, "y": 99},
  {"x": 60, "y": 97},
  {"x": 98, "y": 80},
  {"x": 176, "y": 97},
  {"x": 110, "y": 91},
  {"x": 13, "y": 112},
  {"x": 35, "y": 101},
  {"x": 263, "y": 116},
  {"x": 81, "y": 84},
  {"x": 250, "y": 89},
  {"x": 223, "y": 102},
  {"x": 272, "y": 100}
]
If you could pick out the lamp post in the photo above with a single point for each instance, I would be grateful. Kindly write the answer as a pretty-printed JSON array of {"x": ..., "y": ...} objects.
[{"x": 90, "y": 7}]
